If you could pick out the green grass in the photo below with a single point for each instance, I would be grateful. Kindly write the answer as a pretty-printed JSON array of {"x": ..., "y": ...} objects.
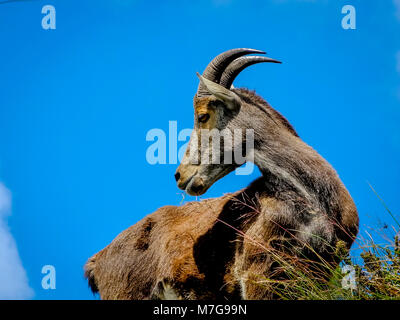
[
  {"x": 375, "y": 276},
  {"x": 369, "y": 271}
]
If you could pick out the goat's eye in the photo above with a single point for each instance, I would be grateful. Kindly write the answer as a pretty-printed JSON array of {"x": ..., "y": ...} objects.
[{"x": 203, "y": 117}]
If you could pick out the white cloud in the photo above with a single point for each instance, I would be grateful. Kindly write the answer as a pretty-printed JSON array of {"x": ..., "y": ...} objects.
[
  {"x": 13, "y": 279},
  {"x": 397, "y": 6}
]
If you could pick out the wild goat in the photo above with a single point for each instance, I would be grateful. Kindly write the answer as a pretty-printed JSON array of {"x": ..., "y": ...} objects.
[{"x": 228, "y": 247}]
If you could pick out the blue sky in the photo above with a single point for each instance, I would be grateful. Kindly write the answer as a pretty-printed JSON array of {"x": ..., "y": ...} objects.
[{"x": 76, "y": 104}]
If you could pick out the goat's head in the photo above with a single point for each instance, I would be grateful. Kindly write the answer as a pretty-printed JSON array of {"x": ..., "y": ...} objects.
[{"x": 218, "y": 116}]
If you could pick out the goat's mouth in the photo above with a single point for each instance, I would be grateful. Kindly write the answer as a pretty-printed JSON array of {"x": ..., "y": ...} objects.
[
  {"x": 196, "y": 186},
  {"x": 198, "y": 183},
  {"x": 183, "y": 184}
]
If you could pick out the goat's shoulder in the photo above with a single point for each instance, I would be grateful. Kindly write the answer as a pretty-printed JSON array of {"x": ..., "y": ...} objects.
[{"x": 136, "y": 258}]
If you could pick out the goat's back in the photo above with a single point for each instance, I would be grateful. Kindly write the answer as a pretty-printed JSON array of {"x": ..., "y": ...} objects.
[{"x": 157, "y": 248}]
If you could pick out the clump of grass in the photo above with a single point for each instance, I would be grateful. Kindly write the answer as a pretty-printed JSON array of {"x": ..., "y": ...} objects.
[
  {"x": 370, "y": 272},
  {"x": 376, "y": 276}
]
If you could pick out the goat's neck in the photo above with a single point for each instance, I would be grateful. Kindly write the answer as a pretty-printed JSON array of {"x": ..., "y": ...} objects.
[{"x": 290, "y": 165}]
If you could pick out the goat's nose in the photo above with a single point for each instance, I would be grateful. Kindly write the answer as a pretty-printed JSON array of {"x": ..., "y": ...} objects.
[{"x": 177, "y": 176}]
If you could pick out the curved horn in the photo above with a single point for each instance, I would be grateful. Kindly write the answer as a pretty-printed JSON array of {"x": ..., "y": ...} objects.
[
  {"x": 238, "y": 65},
  {"x": 215, "y": 68}
]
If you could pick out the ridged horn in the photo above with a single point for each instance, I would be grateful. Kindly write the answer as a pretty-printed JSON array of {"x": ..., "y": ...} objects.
[
  {"x": 238, "y": 65},
  {"x": 215, "y": 68}
]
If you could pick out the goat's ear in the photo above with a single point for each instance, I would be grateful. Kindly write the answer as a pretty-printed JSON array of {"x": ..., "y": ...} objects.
[{"x": 231, "y": 99}]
